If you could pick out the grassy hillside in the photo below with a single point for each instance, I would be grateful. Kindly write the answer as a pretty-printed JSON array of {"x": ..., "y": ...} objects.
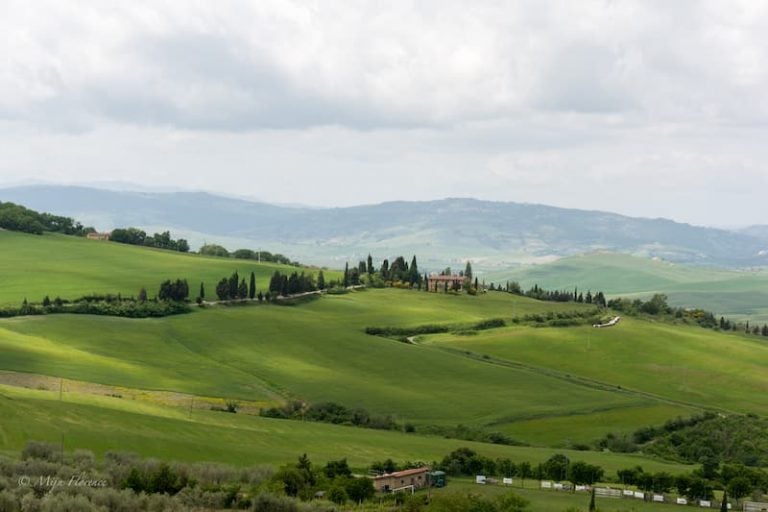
[
  {"x": 33, "y": 266},
  {"x": 741, "y": 295},
  {"x": 105, "y": 423},
  {"x": 315, "y": 352},
  {"x": 545, "y": 386},
  {"x": 677, "y": 364}
]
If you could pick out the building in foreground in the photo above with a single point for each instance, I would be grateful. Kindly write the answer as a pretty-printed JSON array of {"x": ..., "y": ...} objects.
[{"x": 389, "y": 482}]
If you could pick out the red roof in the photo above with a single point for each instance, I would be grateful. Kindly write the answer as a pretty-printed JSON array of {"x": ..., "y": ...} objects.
[{"x": 407, "y": 472}]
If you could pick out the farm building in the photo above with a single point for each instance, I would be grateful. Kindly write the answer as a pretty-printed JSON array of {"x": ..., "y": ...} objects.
[
  {"x": 436, "y": 283},
  {"x": 98, "y": 236},
  {"x": 388, "y": 482}
]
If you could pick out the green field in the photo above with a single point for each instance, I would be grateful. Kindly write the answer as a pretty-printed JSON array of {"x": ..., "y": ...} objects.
[
  {"x": 549, "y": 387},
  {"x": 739, "y": 294},
  {"x": 66, "y": 266},
  {"x": 314, "y": 352},
  {"x": 681, "y": 364},
  {"x": 542, "y": 500},
  {"x": 103, "y": 423}
]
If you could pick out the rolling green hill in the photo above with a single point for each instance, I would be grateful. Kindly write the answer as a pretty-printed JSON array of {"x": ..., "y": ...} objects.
[
  {"x": 34, "y": 266},
  {"x": 315, "y": 352},
  {"x": 739, "y": 294},
  {"x": 107, "y": 423},
  {"x": 547, "y": 386},
  {"x": 550, "y": 387}
]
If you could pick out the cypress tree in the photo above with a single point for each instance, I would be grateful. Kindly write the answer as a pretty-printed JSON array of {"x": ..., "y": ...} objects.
[
  {"x": 143, "y": 294},
  {"x": 284, "y": 290},
  {"x": 468, "y": 271},
  {"x": 320, "y": 281},
  {"x": 252, "y": 287},
  {"x": 46, "y": 301},
  {"x": 222, "y": 289},
  {"x": 234, "y": 282},
  {"x": 346, "y": 275},
  {"x": 724, "y": 503},
  {"x": 370, "y": 264},
  {"x": 202, "y": 291},
  {"x": 414, "y": 271}
]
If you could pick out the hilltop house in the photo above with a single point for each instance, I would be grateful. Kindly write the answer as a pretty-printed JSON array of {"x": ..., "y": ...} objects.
[
  {"x": 436, "y": 283},
  {"x": 388, "y": 482},
  {"x": 98, "y": 236}
]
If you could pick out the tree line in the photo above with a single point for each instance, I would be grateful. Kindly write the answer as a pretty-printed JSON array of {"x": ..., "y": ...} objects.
[
  {"x": 658, "y": 306},
  {"x": 233, "y": 288},
  {"x": 399, "y": 273},
  {"x": 246, "y": 254},
  {"x": 699, "y": 438},
  {"x": 280, "y": 285},
  {"x": 128, "y": 482},
  {"x": 737, "y": 480},
  {"x": 284, "y": 285},
  {"x": 396, "y": 273},
  {"x": 95, "y": 304},
  {"x": 14, "y": 217},
  {"x": 539, "y": 293},
  {"x": 136, "y": 236}
]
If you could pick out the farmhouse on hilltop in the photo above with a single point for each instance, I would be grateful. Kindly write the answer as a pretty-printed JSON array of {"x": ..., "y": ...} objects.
[
  {"x": 98, "y": 236},
  {"x": 436, "y": 283}
]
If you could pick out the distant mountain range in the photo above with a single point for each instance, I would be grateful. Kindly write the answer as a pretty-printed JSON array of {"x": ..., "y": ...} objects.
[
  {"x": 757, "y": 231},
  {"x": 443, "y": 232}
]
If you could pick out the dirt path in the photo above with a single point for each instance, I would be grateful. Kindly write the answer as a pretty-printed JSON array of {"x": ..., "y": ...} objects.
[{"x": 169, "y": 398}]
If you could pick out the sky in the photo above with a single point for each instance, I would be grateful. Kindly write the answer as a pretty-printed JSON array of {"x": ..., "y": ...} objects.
[{"x": 646, "y": 108}]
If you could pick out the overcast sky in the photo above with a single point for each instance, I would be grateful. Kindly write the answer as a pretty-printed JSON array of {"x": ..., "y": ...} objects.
[{"x": 649, "y": 108}]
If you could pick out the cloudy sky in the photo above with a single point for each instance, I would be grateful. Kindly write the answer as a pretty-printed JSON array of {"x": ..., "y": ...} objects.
[{"x": 651, "y": 108}]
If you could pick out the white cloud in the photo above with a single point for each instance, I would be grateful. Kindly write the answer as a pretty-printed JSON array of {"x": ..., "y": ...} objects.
[{"x": 626, "y": 105}]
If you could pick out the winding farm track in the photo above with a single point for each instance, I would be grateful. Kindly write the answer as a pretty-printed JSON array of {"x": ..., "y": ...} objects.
[{"x": 578, "y": 380}]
